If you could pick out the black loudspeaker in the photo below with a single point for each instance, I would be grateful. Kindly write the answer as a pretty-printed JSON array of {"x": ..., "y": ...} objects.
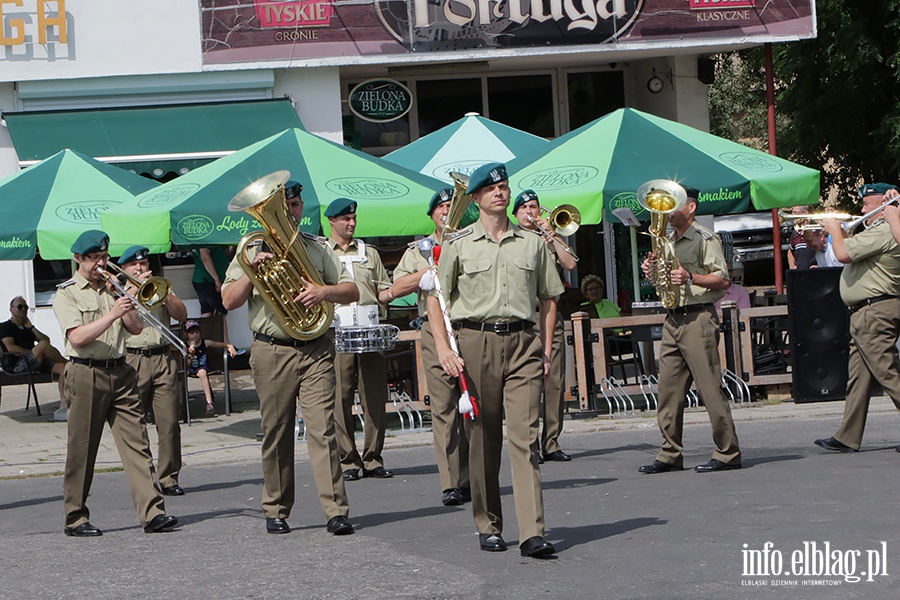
[
  {"x": 820, "y": 334},
  {"x": 706, "y": 70}
]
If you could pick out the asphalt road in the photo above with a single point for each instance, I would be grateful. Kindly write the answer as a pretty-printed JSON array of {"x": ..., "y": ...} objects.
[{"x": 619, "y": 534}]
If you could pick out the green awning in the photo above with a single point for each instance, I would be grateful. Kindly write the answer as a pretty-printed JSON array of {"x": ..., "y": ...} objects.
[{"x": 150, "y": 138}]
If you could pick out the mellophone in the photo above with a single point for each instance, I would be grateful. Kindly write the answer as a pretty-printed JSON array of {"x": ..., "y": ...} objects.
[{"x": 357, "y": 331}]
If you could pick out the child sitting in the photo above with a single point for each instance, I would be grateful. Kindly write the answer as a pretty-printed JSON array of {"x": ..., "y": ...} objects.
[{"x": 196, "y": 359}]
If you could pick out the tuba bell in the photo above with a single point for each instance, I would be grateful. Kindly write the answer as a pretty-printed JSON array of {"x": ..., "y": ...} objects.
[
  {"x": 459, "y": 204},
  {"x": 662, "y": 197},
  {"x": 278, "y": 279}
]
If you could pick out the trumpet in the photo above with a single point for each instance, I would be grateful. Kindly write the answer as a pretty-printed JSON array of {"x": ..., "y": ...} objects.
[
  {"x": 151, "y": 293},
  {"x": 565, "y": 220},
  {"x": 848, "y": 222}
]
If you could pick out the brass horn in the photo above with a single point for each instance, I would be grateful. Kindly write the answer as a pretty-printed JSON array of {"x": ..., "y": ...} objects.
[
  {"x": 279, "y": 279},
  {"x": 459, "y": 203},
  {"x": 662, "y": 197},
  {"x": 565, "y": 220},
  {"x": 151, "y": 292}
]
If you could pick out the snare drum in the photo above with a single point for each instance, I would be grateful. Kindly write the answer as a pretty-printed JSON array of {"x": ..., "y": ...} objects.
[{"x": 358, "y": 340}]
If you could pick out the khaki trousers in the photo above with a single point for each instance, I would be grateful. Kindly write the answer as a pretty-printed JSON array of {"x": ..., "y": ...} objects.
[
  {"x": 555, "y": 391},
  {"x": 280, "y": 374},
  {"x": 450, "y": 442},
  {"x": 97, "y": 396},
  {"x": 689, "y": 353},
  {"x": 873, "y": 357},
  {"x": 158, "y": 391},
  {"x": 368, "y": 373},
  {"x": 505, "y": 372}
]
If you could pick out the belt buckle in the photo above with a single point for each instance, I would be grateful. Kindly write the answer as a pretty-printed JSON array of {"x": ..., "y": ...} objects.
[{"x": 501, "y": 327}]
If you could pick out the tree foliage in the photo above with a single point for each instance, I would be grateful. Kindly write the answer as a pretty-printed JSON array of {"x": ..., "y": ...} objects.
[{"x": 836, "y": 95}]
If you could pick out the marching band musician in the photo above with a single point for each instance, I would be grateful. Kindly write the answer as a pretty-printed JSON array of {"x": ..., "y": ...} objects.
[
  {"x": 493, "y": 277},
  {"x": 366, "y": 371},
  {"x": 870, "y": 287},
  {"x": 150, "y": 355},
  {"x": 450, "y": 442},
  {"x": 689, "y": 351},
  {"x": 283, "y": 368},
  {"x": 100, "y": 386},
  {"x": 527, "y": 211}
]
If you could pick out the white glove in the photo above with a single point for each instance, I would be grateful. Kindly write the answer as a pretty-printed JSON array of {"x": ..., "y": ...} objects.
[{"x": 427, "y": 282}]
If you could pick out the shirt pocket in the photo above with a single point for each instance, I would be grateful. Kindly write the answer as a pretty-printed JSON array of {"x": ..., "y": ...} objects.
[
  {"x": 524, "y": 273},
  {"x": 90, "y": 310},
  {"x": 478, "y": 277}
]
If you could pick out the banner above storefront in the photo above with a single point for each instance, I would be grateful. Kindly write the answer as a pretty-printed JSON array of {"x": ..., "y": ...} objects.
[{"x": 274, "y": 30}]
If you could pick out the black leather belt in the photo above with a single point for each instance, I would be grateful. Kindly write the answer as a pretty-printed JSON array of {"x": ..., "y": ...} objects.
[
  {"x": 690, "y": 308},
  {"x": 99, "y": 364},
  {"x": 869, "y": 301},
  {"x": 149, "y": 351},
  {"x": 280, "y": 342},
  {"x": 497, "y": 327}
]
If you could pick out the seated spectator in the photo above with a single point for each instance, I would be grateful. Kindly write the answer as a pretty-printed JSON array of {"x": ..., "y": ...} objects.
[
  {"x": 797, "y": 242},
  {"x": 196, "y": 360},
  {"x": 735, "y": 291},
  {"x": 32, "y": 350},
  {"x": 597, "y": 305},
  {"x": 814, "y": 241}
]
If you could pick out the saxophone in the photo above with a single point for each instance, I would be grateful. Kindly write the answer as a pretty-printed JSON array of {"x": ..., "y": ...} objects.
[
  {"x": 662, "y": 197},
  {"x": 278, "y": 279}
]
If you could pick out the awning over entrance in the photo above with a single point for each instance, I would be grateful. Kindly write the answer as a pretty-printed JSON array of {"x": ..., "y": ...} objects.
[{"x": 152, "y": 139}]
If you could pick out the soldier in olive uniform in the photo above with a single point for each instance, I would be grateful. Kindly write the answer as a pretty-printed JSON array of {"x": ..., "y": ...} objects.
[
  {"x": 527, "y": 211},
  {"x": 493, "y": 277},
  {"x": 690, "y": 346},
  {"x": 150, "y": 354},
  {"x": 366, "y": 371},
  {"x": 870, "y": 287},
  {"x": 100, "y": 387},
  {"x": 450, "y": 443},
  {"x": 283, "y": 368}
]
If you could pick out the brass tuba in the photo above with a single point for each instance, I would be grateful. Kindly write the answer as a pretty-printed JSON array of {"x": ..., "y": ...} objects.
[
  {"x": 662, "y": 197},
  {"x": 459, "y": 203},
  {"x": 278, "y": 279}
]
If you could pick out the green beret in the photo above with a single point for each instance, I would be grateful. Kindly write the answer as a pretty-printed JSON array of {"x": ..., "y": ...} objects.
[
  {"x": 526, "y": 196},
  {"x": 488, "y": 174},
  {"x": 441, "y": 196},
  {"x": 340, "y": 206},
  {"x": 90, "y": 241},
  {"x": 134, "y": 253},
  {"x": 875, "y": 189},
  {"x": 292, "y": 189}
]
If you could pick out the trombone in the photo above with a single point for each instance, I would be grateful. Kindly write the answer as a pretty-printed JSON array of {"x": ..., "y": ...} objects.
[
  {"x": 848, "y": 222},
  {"x": 565, "y": 220},
  {"x": 150, "y": 294}
]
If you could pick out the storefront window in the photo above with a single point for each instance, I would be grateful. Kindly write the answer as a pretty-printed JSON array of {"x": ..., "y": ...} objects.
[
  {"x": 441, "y": 102},
  {"x": 523, "y": 102},
  {"x": 47, "y": 275},
  {"x": 592, "y": 95}
]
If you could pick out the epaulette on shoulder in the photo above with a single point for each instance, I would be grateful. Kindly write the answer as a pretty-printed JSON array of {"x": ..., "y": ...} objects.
[
  {"x": 452, "y": 237},
  {"x": 315, "y": 238},
  {"x": 65, "y": 284},
  {"x": 706, "y": 233},
  {"x": 255, "y": 244}
]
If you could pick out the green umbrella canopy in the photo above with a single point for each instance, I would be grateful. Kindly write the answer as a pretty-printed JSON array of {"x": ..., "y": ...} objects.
[
  {"x": 193, "y": 209},
  {"x": 465, "y": 145},
  {"x": 49, "y": 204},
  {"x": 601, "y": 165}
]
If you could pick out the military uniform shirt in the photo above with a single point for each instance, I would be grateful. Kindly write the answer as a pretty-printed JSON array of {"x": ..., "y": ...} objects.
[
  {"x": 492, "y": 282},
  {"x": 875, "y": 270},
  {"x": 699, "y": 250},
  {"x": 150, "y": 337},
  {"x": 77, "y": 303},
  {"x": 262, "y": 319},
  {"x": 364, "y": 273},
  {"x": 413, "y": 262}
]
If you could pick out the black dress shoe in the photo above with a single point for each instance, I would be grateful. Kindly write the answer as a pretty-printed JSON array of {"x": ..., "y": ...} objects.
[
  {"x": 377, "y": 473},
  {"x": 540, "y": 459},
  {"x": 716, "y": 465},
  {"x": 351, "y": 475},
  {"x": 277, "y": 525},
  {"x": 159, "y": 523},
  {"x": 451, "y": 497},
  {"x": 83, "y": 530},
  {"x": 339, "y": 526},
  {"x": 173, "y": 490},
  {"x": 491, "y": 542},
  {"x": 465, "y": 494},
  {"x": 536, "y": 547},
  {"x": 658, "y": 466},
  {"x": 834, "y": 445},
  {"x": 558, "y": 456}
]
